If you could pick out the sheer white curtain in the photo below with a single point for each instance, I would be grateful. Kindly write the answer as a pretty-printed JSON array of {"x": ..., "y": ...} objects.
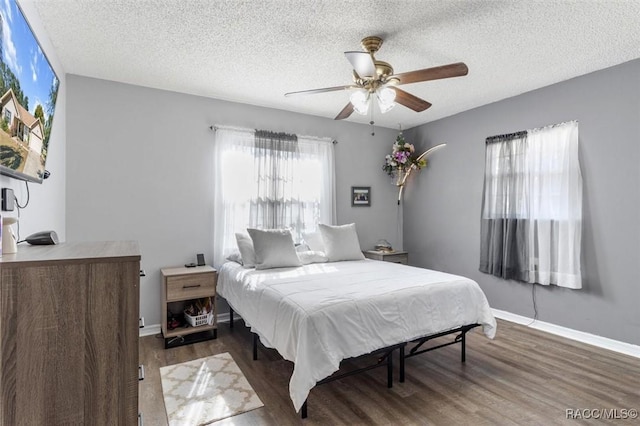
[
  {"x": 270, "y": 180},
  {"x": 316, "y": 184},
  {"x": 556, "y": 206},
  {"x": 532, "y": 207},
  {"x": 505, "y": 208}
]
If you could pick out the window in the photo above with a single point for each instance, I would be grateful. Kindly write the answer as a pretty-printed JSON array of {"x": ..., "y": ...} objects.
[
  {"x": 7, "y": 116},
  {"x": 23, "y": 132},
  {"x": 270, "y": 180},
  {"x": 532, "y": 206}
]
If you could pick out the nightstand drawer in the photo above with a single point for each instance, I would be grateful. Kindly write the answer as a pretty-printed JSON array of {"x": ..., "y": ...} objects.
[
  {"x": 191, "y": 286},
  {"x": 397, "y": 258},
  {"x": 393, "y": 257}
]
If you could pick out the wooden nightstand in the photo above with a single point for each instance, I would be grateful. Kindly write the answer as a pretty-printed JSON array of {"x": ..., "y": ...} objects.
[
  {"x": 394, "y": 256},
  {"x": 182, "y": 285}
]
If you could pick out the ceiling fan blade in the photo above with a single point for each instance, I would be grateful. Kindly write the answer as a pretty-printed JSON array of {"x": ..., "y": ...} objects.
[
  {"x": 345, "y": 113},
  {"x": 362, "y": 63},
  {"x": 410, "y": 101},
  {"x": 445, "y": 71},
  {"x": 323, "y": 90}
]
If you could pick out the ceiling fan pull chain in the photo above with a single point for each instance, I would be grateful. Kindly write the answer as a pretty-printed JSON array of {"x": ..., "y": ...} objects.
[{"x": 373, "y": 129}]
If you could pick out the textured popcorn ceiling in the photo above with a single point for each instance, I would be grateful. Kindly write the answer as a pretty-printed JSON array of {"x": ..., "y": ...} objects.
[{"x": 255, "y": 51}]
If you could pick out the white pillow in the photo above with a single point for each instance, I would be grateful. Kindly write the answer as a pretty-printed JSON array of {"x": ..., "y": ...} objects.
[
  {"x": 274, "y": 248},
  {"x": 235, "y": 257},
  {"x": 307, "y": 257},
  {"x": 302, "y": 247},
  {"x": 247, "y": 252},
  {"x": 341, "y": 242},
  {"x": 314, "y": 241}
]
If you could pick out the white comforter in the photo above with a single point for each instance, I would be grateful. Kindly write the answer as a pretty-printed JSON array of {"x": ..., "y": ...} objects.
[{"x": 317, "y": 315}]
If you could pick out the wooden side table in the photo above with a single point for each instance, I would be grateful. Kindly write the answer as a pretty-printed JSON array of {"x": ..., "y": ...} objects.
[
  {"x": 394, "y": 256},
  {"x": 183, "y": 284}
]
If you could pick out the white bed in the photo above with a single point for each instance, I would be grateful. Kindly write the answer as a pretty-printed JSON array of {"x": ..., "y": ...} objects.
[{"x": 319, "y": 314}]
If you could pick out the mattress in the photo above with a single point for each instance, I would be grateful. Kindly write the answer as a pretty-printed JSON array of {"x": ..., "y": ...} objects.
[{"x": 319, "y": 314}]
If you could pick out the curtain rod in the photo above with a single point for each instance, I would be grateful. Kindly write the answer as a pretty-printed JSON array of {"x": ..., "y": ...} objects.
[
  {"x": 319, "y": 139},
  {"x": 239, "y": 129},
  {"x": 549, "y": 126},
  {"x": 522, "y": 133},
  {"x": 506, "y": 137},
  {"x": 245, "y": 129}
]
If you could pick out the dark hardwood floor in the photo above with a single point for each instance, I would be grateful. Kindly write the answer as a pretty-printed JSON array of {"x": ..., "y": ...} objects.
[{"x": 523, "y": 376}]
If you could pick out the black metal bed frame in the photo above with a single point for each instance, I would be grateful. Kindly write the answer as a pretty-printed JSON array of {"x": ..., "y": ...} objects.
[
  {"x": 460, "y": 338},
  {"x": 387, "y": 355}
]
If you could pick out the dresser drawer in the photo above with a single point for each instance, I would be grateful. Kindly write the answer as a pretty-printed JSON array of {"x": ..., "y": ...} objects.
[{"x": 192, "y": 286}]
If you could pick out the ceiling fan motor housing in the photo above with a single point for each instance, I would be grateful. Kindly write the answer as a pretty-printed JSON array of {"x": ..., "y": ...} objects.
[
  {"x": 371, "y": 45},
  {"x": 383, "y": 69}
]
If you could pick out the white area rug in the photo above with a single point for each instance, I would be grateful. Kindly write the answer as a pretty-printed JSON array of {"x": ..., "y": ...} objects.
[{"x": 205, "y": 390}]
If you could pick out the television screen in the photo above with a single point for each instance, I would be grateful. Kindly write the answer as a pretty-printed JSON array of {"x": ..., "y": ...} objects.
[{"x": 28, "y": 92}]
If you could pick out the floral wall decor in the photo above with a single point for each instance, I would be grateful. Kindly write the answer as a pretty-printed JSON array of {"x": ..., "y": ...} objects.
[{"x": 403, "y": 160}]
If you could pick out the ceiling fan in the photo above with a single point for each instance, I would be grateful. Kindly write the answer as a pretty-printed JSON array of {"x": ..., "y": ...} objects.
[{"x": 374, "y": 78}]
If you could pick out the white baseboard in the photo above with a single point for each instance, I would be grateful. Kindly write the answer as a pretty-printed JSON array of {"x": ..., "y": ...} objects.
[
  {"x": 580, "y": 336},
  {"x": 152, "y": 329}
]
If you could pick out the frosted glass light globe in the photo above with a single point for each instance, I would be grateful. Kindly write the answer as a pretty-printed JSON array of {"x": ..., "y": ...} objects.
[{"x": 360, "y": 101}]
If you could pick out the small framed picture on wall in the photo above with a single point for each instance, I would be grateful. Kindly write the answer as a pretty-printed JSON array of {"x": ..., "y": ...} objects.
[{"x": 360, "y": 196}]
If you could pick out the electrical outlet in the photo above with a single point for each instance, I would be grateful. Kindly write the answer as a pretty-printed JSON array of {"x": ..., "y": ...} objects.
[{"x": 8, "y": 199}]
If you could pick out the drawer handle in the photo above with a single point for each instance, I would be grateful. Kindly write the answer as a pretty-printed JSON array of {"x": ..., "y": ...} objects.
[{"x": 191, "y": 286}]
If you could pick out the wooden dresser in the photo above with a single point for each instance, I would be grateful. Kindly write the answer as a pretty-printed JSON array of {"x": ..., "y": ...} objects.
[{"x": 69, "y": 331}]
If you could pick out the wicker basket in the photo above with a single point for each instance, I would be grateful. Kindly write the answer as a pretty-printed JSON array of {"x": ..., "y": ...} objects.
[{"x": 198, "y": 320}]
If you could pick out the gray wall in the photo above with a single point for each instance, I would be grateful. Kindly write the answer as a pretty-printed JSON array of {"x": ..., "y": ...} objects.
[
  {"x": 139, "y": 167},
  {"x": 46, "y": 209},
  {"x": 442, "y": 206}
]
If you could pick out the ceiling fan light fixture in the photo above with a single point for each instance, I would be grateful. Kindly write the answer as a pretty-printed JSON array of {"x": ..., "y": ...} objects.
[
  {"x": 386, "y": 99},
  {"x": 384, "y": 108},
  {"x": 360, "y": 101}
]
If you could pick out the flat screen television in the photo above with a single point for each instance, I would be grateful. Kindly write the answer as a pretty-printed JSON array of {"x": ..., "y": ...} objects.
[{"x": 28, "y": 93}]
